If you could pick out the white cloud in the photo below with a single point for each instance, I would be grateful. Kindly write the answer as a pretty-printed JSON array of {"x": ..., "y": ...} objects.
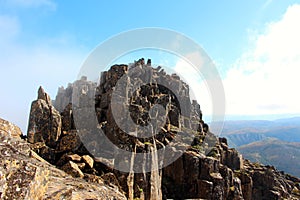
[{"x": 266, "y": 80}]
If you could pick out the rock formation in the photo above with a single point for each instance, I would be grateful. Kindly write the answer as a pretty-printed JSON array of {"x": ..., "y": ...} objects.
[
  {"x": 64, "y": 95},
  {"x": 25, "y": 175},
  {"x": 10, "y": 130},
  {"x": 126, "y": 102},
  {"x": 44, "y": 122}
]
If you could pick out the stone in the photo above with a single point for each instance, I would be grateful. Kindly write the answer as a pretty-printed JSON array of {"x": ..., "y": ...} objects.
[
  {"x": 205, "y": 189},
  {"x": 208, "y": 165},
  {"x": 72, "y": 168},
  {"x": 25, "y": 175},
  {"x": 47, "y": 153},
  {"x": 81, "y": 166},
  {"x": 43, "y": 95},
  {"x": 67, "y": 118},
  {"x": 63, "y": 97},
  {"x": 247, "y": 185},
  {"x": 237, "y": 192},
  {"x": 191, "y": 166},
  {"x": 44, "y": 121},
  {"x": 232, "y": 159},
  {"x": 88, "y": 160},
  {"x": 223, "y": 140},
  {"x": 91, "y": 178},
  {"x": 68, "y": 157},
  {"x": 9, "y": 129},
  {"x": 149, "y": 62},
  {"x": 69, "y": 143},
  {"x": 110, "y": 178},
  {"x": 74, "y": 157}
]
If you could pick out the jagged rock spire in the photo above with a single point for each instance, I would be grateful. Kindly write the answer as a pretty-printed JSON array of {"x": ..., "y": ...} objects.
[
  {"x": 43, "y": 95},
  {"x": 44, "y": 120}
]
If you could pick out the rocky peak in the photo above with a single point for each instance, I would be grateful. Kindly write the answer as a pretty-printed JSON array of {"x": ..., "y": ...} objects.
[
  {"x": 43, "y": 95},
  {"x": 206, "y": 169}
]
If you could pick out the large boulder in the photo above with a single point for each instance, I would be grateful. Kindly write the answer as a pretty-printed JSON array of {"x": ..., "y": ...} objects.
[{"x": 44, "y": 121}]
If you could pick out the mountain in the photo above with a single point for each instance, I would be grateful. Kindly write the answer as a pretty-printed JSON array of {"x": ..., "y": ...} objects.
[
  {"x": 135, "y": 133},
  {"x": 284, "y": 155},
  {"x": 274, "y": 142},
  {"x": 285, "y": 133},
  {"x": 246, "y": 131},
  {"x": 234, "y": 125}
]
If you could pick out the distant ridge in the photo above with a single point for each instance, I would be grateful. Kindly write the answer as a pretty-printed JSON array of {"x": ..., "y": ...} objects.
[{"x": 270, "y": 142}]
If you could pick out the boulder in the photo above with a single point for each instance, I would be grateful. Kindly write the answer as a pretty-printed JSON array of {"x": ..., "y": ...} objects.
[
  {"x": 72, "y": 168},
  {"x": 44, "y": 121},
  {"x": 88, "y": 160}
]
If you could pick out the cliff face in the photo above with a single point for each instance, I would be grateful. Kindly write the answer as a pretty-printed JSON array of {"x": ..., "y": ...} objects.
[{"x": 205, "y": 168}]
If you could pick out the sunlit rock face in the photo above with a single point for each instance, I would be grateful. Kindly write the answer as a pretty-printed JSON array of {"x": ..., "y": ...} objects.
[{"x": 25, "y": 175}]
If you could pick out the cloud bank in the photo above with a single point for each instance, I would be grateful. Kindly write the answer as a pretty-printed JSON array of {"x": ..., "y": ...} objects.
[{"x": 265, "y": 80}]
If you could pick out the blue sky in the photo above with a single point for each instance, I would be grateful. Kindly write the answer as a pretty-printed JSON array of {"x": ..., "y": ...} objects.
[{"x": 44, "y": 42}]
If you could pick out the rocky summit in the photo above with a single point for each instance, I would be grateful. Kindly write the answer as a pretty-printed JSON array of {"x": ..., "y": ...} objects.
[{"x": 65, "y": 157}]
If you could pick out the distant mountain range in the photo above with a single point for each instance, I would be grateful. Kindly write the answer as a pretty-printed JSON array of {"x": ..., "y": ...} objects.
[
  {"x": 284, "y": 155},
  {"x": 274, "y": 142}
]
